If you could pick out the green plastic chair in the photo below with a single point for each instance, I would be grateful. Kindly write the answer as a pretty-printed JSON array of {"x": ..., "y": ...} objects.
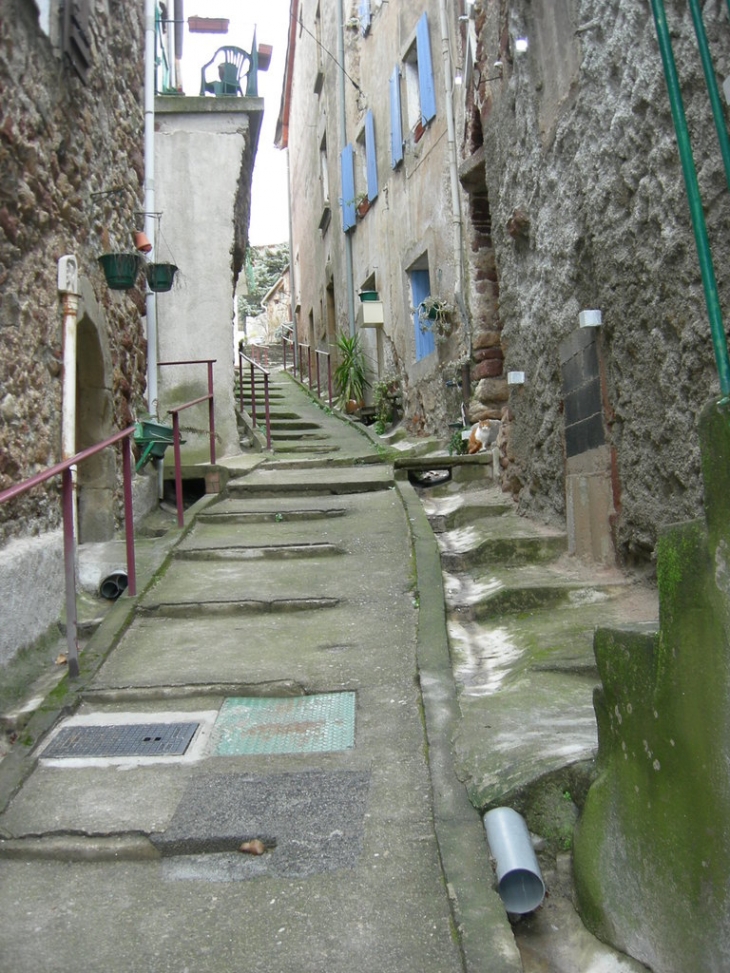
[{"x": 233, "y": 64}]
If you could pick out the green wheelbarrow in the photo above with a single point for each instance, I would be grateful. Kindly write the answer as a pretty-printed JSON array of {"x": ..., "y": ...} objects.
[{"x": 153, "y": 439}]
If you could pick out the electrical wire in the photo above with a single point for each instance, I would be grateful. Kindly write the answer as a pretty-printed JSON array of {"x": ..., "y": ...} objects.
[{"x": 328, "y": 53}]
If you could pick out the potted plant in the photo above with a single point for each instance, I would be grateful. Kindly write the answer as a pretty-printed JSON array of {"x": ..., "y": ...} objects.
[
  {"x": 160, "y": 277},
  {"x": 350, "y": 378},
  {"x": 437, "y": 316},
  {"x": 120, "y": 269}
]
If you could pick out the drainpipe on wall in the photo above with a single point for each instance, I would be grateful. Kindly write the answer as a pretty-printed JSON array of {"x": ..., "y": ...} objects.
[
  {"x": 149, "y": 195},
  {"x": 343, "y": 125},
  {"x": 457, "y": 224},
  {"x": 68, "y": 288},
  {"x": 292, "y": 281}
]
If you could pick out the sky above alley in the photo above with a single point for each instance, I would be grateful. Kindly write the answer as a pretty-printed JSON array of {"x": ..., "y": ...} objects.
[{"x": 269, "y": 203}]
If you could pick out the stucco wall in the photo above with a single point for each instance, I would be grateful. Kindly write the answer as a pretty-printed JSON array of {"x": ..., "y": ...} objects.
[
  {"x": 410, "y": 220},
  {"x": 578, "y": 137},
  {"x": 205, "y": 147}
]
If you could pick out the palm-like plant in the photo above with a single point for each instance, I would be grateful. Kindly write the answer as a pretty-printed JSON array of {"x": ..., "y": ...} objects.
[{"x": 350, "y": 378}]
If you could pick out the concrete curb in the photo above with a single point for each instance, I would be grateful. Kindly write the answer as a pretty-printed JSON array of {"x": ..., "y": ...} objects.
[{"x": 487, "y": 942}]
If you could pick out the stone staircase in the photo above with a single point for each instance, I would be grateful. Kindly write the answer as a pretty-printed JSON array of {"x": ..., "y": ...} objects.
[{"x": 521, "y": 615}]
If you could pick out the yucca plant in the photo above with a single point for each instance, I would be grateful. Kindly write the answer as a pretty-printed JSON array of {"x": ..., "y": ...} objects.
[{"x": 350, "y": 378}]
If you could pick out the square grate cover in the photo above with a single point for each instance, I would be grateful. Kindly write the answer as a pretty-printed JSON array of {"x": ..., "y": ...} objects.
[
  {"x": 298, "y": 724},
  {"x": 126, "y": 740}
]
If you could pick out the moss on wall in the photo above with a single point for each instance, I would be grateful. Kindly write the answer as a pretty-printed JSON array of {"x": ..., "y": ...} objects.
[{"x": 652, "y": 853}]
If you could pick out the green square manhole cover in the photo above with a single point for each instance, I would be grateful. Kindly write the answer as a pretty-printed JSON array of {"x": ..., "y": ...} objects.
[
  {"x": 122, "y": 740},
  {"x": 298, "y": 724}
]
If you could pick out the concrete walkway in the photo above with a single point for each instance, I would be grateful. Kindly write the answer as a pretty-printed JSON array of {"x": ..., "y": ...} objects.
[{"x": 293, "y": 637}]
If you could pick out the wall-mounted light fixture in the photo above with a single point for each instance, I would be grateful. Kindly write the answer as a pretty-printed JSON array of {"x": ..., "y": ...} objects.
[
  {"x": 521, "y": 45},
  {"x": 590, "y": 319},
  {"x": 515, "y": 378},
  {"x": 458, "y": 78}
]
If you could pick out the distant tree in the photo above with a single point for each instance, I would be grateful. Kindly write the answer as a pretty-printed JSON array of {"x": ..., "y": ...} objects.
[{"x": 263, "y": 267}]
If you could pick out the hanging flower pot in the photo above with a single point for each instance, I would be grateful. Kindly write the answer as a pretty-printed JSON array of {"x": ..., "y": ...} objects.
[
  {"x": 120, "y": 269},
  {"x": 160, "y": 276}
]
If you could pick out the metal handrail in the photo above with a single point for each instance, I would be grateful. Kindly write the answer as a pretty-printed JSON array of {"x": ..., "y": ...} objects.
[
  {"x": 325, "y": 354},
  {"x": 69, "y": 539},
  {"x": 267, "y": 405},
  {"x": 304, "y": 344},
  {"x": 699, "y": 225},
  {"x": 210, "y": 399}
]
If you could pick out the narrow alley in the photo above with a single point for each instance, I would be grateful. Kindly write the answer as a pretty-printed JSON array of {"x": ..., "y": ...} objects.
[{"x": 248, "y": 781}]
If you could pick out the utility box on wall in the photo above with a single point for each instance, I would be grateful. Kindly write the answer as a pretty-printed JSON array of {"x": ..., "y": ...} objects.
[{"x": 370, "y": 314}]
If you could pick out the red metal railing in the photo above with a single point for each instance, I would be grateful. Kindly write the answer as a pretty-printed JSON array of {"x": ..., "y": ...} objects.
[
  {"x": 287, "y": 338},
  {"x": 255, "y": 367},
  {"x": 260, "y": 354},
  {"x": 324, "y": 354},
  {"x": 175, "y": 413},
  {"x": 69, "y": 539}
]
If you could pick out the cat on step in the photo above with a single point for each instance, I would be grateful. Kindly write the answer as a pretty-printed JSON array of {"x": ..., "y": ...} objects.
[{"x": 483, "y": 434}]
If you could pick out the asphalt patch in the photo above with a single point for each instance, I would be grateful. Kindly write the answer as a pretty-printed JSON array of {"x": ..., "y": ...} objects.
[{"x": 309, "y": 822}]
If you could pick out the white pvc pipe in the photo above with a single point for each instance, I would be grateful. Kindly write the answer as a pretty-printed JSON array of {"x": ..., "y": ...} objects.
[
  {"x": 149, "y": 195},
  {"x": 456, "y": 217},
  {"x": 518, "y": 872},
  {"x": 68, "y": 286}
]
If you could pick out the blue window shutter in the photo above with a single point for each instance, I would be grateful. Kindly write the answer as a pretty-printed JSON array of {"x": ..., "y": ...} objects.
[
  {"x": 347, "y": 167},
  {"x": 364, "y": 14},
  {"x": 396, "y": 133},
  {"x": 420, "y": 290},
  {"x": 371, "y": 157},
  {"x": 426, "y": 87}
]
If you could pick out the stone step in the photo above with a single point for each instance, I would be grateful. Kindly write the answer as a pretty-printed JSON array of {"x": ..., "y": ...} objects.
[
  {"x": 311, "y": 481},
  {"x": 526, "y": 589},
  {"x": 467, "y": 548}
]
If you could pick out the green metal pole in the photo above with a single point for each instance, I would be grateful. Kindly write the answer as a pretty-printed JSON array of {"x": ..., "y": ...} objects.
[
  {"x": 712, "y": 89},
  {"x": 695, "y": 202}
]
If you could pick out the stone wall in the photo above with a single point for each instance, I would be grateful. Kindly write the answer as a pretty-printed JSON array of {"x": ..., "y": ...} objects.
[
  {"x": 71, "y": 170},
  {"x": 651, "y": 850},
  {"x": 580, "y": 150}
]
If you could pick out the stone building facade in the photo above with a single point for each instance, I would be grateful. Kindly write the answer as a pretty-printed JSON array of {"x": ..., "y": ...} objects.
[
  {"x": 374, "y": 192},
  {"x": 71, "y": 173},
  {"x": 569, "y": 197},
  {"x": 569, "y": 146}
]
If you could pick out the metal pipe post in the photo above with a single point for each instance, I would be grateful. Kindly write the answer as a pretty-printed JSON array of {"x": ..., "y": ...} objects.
[
  {"x": 211, "y": 412},
  {"x": 69, "y": 562},
  {"x": 178, "y": 469},
  {"x": 129, "y": 516}
]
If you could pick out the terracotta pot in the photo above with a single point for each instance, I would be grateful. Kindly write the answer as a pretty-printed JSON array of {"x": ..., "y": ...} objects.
[{"x": 141, "y": 242}]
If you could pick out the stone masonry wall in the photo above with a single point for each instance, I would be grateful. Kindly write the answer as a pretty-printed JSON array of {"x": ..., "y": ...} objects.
[
  {"x": 579, "y": 144},
  {"x": 61, "y": 142}
]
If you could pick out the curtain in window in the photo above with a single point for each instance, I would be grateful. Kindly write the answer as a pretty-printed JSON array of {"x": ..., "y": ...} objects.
[
  {"x": 371, "y": 157},
  {"x": 396, "y": 132},
  {"x": 347, "y": 170}
]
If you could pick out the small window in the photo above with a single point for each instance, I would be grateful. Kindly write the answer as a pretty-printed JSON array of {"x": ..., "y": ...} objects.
[
  {"x": 77, "y": 36},
  {"x": 347, "y": 171},
  {"x": 371, "y": 159},
  {"x": 418, "y": 78},
  {"x": 324, "y": 170},
  {"x": 363, "y": 11}
]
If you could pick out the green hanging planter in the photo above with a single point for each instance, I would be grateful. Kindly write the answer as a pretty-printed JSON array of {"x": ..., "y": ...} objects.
[
  {"x": 161, "y": 276},
  {"x": 120, "y": 269}
]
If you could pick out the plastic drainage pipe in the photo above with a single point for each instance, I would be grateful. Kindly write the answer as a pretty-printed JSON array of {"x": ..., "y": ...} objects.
[
  {"x": 113, "y": 585},
  {"x": 518, "y": 873}
]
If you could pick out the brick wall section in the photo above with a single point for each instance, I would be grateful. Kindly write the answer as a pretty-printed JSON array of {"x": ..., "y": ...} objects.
[{"x": 60, "y": 142}]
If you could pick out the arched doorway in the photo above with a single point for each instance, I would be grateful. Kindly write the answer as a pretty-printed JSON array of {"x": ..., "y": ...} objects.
[{"x": 94, "y": 422}]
